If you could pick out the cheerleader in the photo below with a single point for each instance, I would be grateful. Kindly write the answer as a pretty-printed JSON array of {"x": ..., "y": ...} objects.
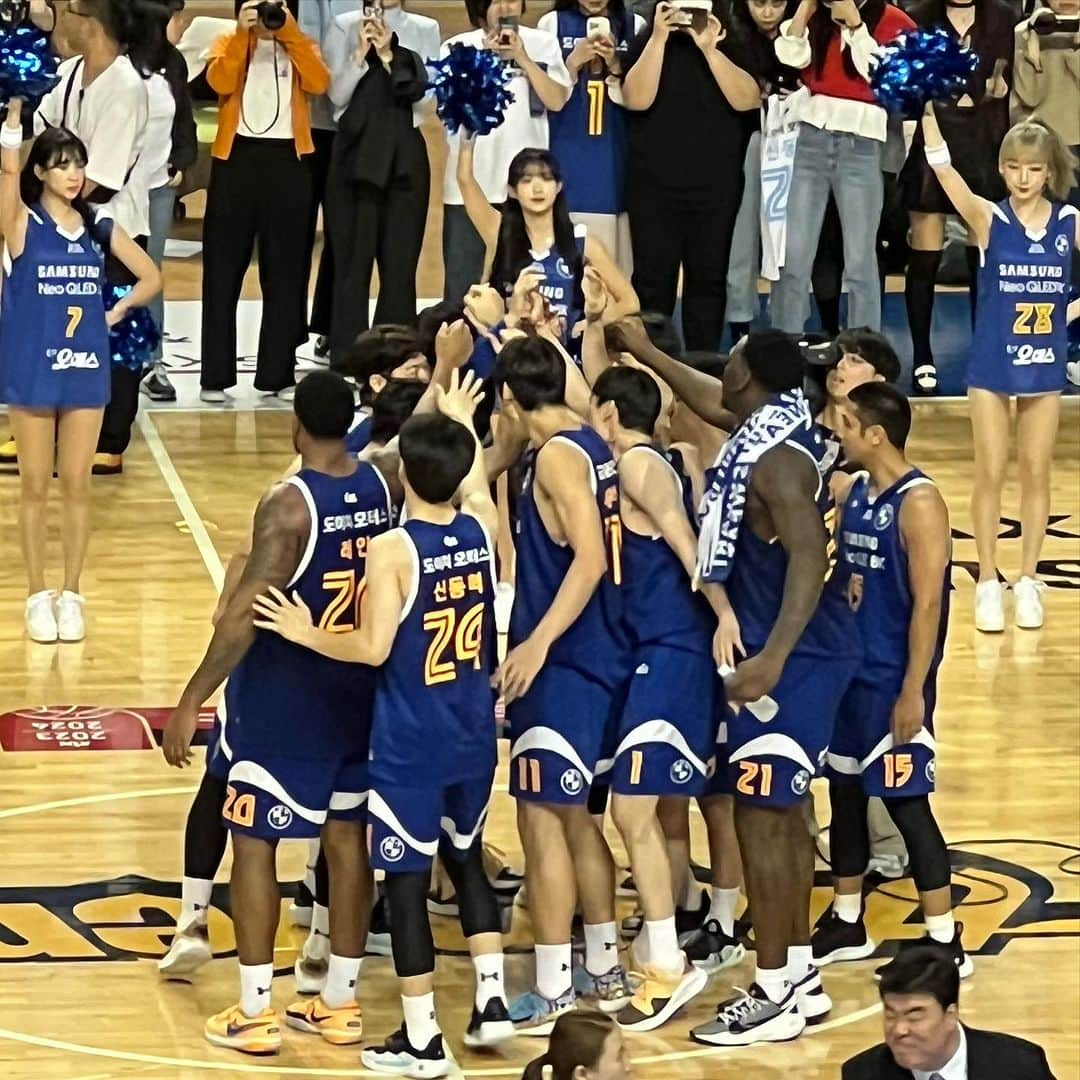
[
  {"x": 55, "y": 356},
  {"x": 1019, "y": 343}
]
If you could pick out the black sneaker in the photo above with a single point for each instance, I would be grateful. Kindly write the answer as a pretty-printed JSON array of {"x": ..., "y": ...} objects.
[
  {"x": 834, "y": 939},
  {"x": 490, "y": 1027},
  {"x": 963, "y": 962},
  {"x": 156, "y": 385},
  {"x": 398, "y": 1057},
  {"x": 378, "y": 938},
  {"x": 924, "y": 380},
  {"x": 710, "y": 949}
]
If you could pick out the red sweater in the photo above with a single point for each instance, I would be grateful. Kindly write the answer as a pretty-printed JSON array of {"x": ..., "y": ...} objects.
[{"x": 834, "y": 79}]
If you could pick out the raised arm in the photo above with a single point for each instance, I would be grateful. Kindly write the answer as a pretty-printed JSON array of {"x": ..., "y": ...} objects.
[
  {"x": 304, "y": 54},
  {"x": 229, "y": 53},
  {"x": 738, "y": 86},
  {"x": 643, "y": 79},
  {"x": 13, "y": 214},
  {"x": 976, "y": 211},
  {"x": 484, "y": 217},
  {"x": 623, "y": 300}
]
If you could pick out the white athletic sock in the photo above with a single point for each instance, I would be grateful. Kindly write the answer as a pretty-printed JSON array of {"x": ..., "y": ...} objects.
[
  {"x": 420, "y": 1023},
  {"x": 722, "y": 909},
  {"x": 941, "y": 927},
  {"x": 194, "y": 901},
  {"x": 489, "y": 978},
  {"x": 318, "y": 939},
  {"x": 601, "y": 948},
  {"x": 664, "y": 951},
  {"x": 848, "y": 906},
  {"x": 342, "y": 975},
  {"x": 774, "y": 982},
  {"x": 553, "y": 969},
  {"x": 255, "y": 983},
  {"x": 800, "y": 959}
]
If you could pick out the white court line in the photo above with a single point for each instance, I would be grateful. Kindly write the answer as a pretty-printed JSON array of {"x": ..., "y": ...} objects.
[{"x": 211, "y": 559}]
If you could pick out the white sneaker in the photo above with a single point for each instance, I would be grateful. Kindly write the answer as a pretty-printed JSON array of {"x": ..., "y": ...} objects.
[
  {"x": 190, "y": 949},
  {"x": 1029, "y": 605},
  {"x": 287, "y": 394},
  {"x": 70, "y": 622},
  {"x": 312, "y": 965},
  {"x": 212, "y": 397},
  {"x": 990, "y": 607},
  {"x": 41, "y": 618}
]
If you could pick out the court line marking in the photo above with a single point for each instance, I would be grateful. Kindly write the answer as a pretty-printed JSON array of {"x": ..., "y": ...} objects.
[{"x": 156, "y": 445}]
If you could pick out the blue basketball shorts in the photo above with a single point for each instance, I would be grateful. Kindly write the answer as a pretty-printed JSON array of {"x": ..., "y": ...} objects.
[
  {"x": 772, "y": 764},
  {"x": 218, "y": 752},
  {"x": 562, "y": 735},
  {"x": 405, "y": 821},
  {"x": 667, "y": 731},
  {"x": 862, "y": 745}
]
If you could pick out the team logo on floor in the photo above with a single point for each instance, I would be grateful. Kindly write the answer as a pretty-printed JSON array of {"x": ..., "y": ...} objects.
[{"x": 90, "y": 727}]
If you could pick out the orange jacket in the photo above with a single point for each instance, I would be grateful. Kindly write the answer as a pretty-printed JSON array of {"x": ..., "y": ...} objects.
[{"x": 226, "y": 73}]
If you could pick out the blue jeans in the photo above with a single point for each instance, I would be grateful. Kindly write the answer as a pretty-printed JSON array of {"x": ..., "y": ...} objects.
[
  {"x": 162, "y": 200},
  {"x": 849, "y": 166},
  {"x": 744, "y": 263}
]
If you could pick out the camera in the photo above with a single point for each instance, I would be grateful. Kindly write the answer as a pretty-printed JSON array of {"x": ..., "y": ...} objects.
[
  {"x": 507, "y": 25},
  {"x": 372, "y": 13},
  {"x": 271, "y": 14},
  {"x": 692, "y": 14}
]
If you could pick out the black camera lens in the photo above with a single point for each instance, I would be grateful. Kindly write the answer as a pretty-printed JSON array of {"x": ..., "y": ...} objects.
[{"x": 271, "y": 14}]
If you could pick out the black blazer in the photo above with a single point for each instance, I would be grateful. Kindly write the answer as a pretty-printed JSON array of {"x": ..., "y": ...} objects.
[{"x": 991, "y": 1056}]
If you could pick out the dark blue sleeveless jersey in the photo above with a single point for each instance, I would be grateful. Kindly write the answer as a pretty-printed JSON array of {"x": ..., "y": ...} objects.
[
  {"x": 755, "y": 585},
  {"x": 588, "y": 134},
  {"x": 874, "y": 568},
  {"x": 54, "y": 344},
  {"x": 658, "y": 602},
  {"x": 359, "y": 434},
  {"x": 285, "y": 699},
  {"x": 434, "y": 720},
  {"x": 1020, "y": 341},
  {"x": 561, "y": 287},
  {"x": 596, "y": 643}
]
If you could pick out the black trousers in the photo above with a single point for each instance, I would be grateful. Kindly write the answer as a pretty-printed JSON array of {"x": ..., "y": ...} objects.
[
  {"x": 260, "y": 196},
  {"x": 124, "y": 403},
  {"x": 375, "y": 225},
  {"x": 319, "y": 321},
  {"x": 464, "y": 252},
  {"x": 691, "y": 229}
]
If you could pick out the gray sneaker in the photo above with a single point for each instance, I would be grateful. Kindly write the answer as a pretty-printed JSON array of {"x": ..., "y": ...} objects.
[
  {"x": 610, "y": 992},
  {"x": 156, "y": 386},
  {"x": 752, "y": 1018}
]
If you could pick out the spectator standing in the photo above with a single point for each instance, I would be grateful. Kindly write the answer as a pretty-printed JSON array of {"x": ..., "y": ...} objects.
[
  {"x": 973, "y": 126},
  {"x": 259, "y": 193},
  {"x": 842, "y": 134},
  {"x": 380, "y": 178},
  {"x": 170, "y": 146},
  {"x": 588, "y": 135},
  {"x": 685, "y": 88},
  {"x": 540, "y": 84}
]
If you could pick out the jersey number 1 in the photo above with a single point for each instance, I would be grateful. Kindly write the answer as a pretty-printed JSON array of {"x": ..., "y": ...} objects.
[{"x": 464, "y": 635}]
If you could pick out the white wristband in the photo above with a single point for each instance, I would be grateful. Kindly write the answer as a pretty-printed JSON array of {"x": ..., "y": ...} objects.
[
  {"x": 11, "y": 138},
  {"x": 938, "y": 156}
]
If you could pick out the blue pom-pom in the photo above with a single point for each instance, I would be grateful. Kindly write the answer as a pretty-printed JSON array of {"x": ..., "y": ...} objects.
[
  {"x": 28, "y": 64},
  {"x": 470, "y": 89},
  {"x": 135, "y": 337},
  {"x": 921, "y": 66}
]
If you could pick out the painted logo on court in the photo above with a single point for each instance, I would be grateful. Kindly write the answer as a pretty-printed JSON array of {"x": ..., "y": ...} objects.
[
  {"x": 571, "y": 782},
  {"x": 392, "y": 848}
]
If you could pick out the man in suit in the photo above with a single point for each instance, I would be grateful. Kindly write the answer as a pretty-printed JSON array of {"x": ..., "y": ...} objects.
[{"x": 924, "y": 1038}]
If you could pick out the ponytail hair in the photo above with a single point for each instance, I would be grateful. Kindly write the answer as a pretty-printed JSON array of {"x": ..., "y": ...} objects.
[
  {"x": 1041, "y": 140},
  {"x": 577, "y": 1039}
]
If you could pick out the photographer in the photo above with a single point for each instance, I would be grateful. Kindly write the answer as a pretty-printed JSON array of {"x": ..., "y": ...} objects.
[
  {"x": 685, "y": 87},
  {"x": 260, "y": 192},
  {"x": 380, "y": 179}
]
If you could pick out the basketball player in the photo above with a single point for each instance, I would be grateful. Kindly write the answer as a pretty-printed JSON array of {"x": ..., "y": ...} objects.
[
  {"x": 567, "y": 660},
  {"x": 427, "y": 625},
  {"x": 764, "y": 538},
  {"x": 894, "y": 553},
  {"x": 311, "y": 533}
]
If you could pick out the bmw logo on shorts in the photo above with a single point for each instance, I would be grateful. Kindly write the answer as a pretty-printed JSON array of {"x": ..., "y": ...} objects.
[
  {"x": 279, "y": 816},
  {"x": 681, "y": 770},
  {"x": 931, "y": 771},
  {"x": 571, "y": 782},
  {"x": 392, "y": 848},
  {"x": 800, "y": 782}
]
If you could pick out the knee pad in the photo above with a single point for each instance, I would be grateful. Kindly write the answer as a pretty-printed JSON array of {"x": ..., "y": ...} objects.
[
  {"x": 478, "y": 909},
  {"x": 925, "y": 844},
  {"x": 413, "y": 947},
  {"x": 849, "y": 835}
]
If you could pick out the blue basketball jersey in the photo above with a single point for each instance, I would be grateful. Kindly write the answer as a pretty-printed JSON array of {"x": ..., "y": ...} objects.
[
  {"x": 874, "y": 567},
  {"x": 596, "y": 643},
  {"x": 659, "y": 604},
  {"x": 434, "y": 717},
  {"x": 755, "y": 585},
  {"x": 1020, "y": 341},
  {"x": 561, "y": 287},
  {"x": 588, "y": 134},
  {"x": 54, "y": 344},
  {"x": 359, "y": 433},
  {"x": 287, "y": 700}
]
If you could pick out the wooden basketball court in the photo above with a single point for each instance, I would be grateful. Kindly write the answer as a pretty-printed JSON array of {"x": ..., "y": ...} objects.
[{"x": 91, "y": 842}]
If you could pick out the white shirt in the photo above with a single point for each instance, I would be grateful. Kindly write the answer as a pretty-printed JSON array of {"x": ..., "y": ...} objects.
[
  {"x": 266, "y": 111},
  {"x": 519, "y": 129},
  {"x": 110, "y": 116},
  {"x": 152, "y": 168},
  {"x": 955, "y": 1068},
  {"x": 417, "y": 33},
  {"x": 315, "y": 18}
]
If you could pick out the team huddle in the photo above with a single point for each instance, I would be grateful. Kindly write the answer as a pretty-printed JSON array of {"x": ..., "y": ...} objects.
[{"x": 723, "y": 633}]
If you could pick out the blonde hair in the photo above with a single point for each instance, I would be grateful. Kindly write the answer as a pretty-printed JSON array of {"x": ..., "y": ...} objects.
[{"x": 1045, "y": 144}]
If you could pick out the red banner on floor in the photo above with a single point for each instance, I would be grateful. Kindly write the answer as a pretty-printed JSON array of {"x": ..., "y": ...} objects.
[{"x": 89, "y": 727}]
